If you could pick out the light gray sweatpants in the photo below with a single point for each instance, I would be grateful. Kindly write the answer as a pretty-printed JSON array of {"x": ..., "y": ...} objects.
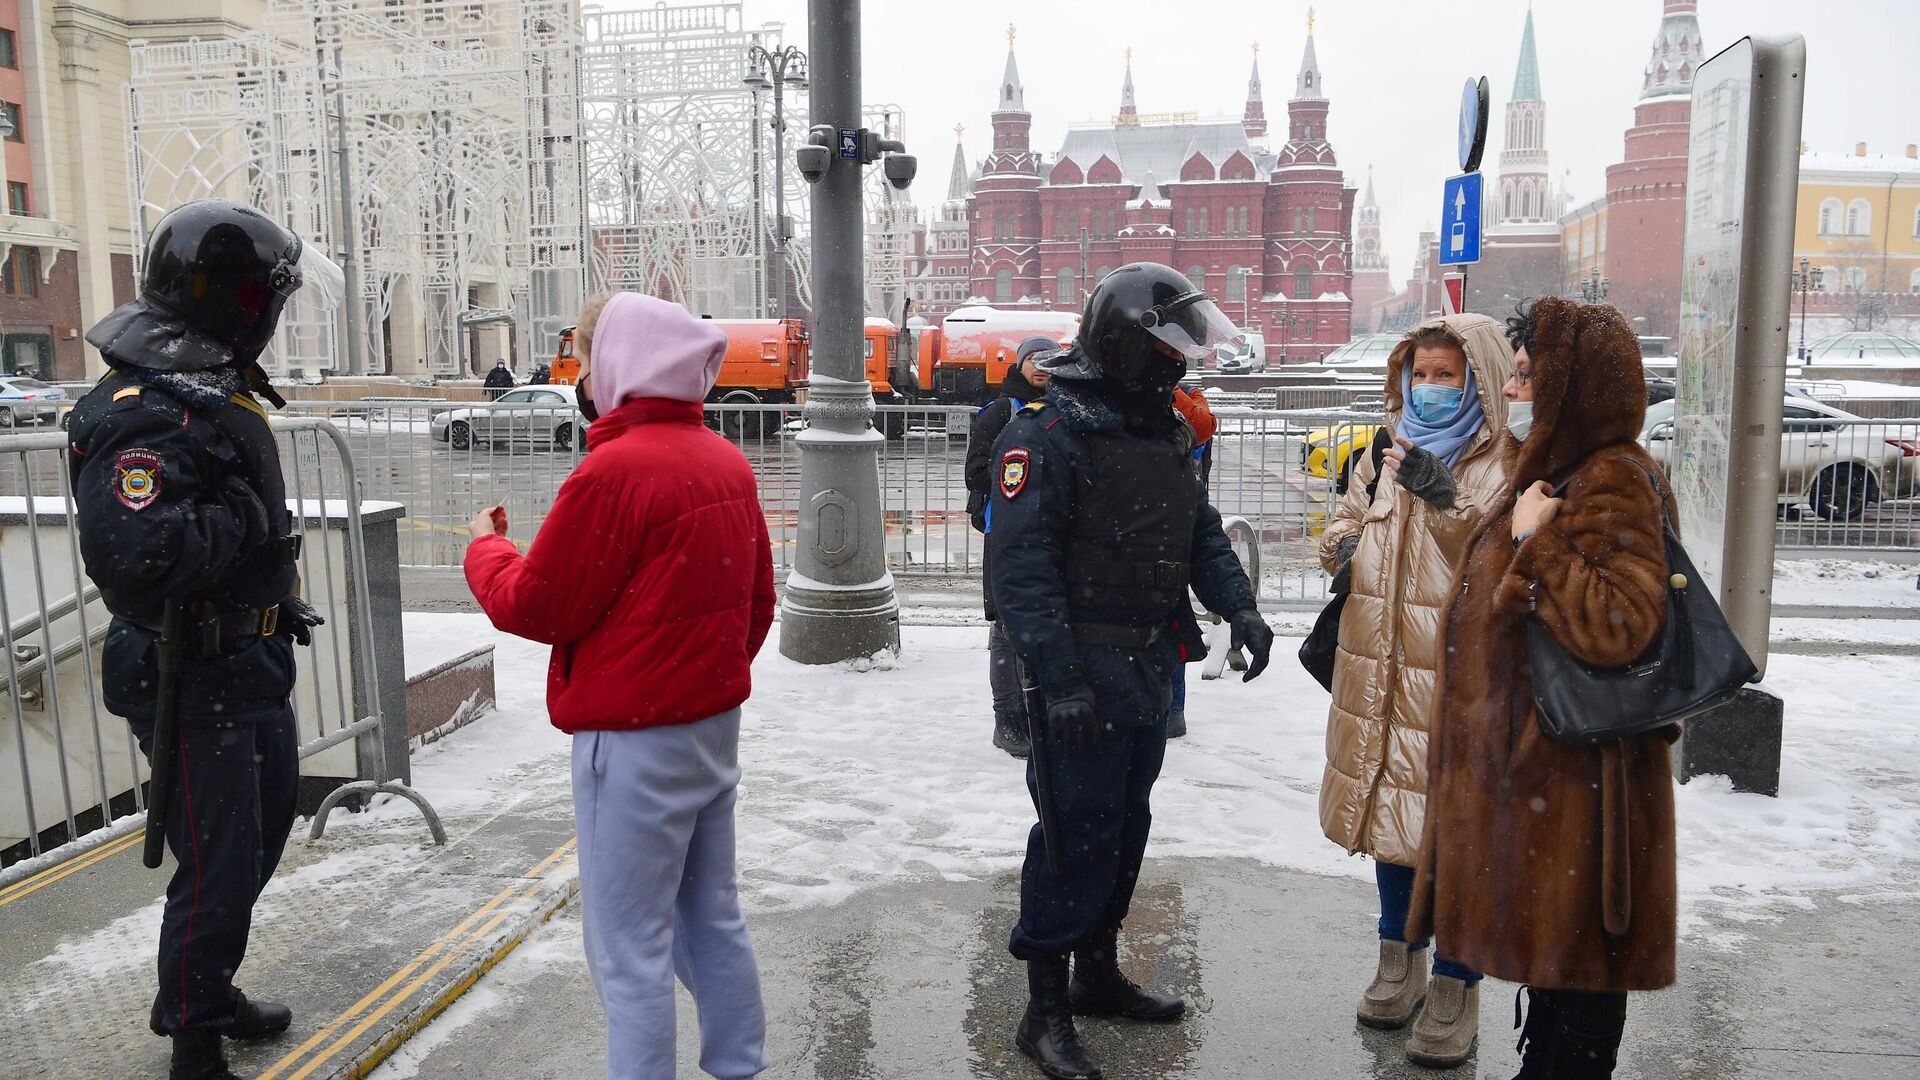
[{"x": 654, "y": 810}]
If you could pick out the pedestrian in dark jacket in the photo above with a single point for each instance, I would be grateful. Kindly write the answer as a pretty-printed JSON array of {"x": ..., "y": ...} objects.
[
  {"x": 1197, "y": 414},
  {"x": 499, "y": 380},
  {"x": 1025, "y": 382},
  {"x": 653, "y": 580}
]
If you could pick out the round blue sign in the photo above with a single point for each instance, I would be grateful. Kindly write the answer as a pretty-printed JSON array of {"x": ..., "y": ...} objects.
[{"x": 1474, "y": 113}]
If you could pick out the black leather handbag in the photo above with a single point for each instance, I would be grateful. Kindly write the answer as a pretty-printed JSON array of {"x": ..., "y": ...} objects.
[
  {"x": 1317, "y": 652},
  {"x": 1694, "y": 665}
]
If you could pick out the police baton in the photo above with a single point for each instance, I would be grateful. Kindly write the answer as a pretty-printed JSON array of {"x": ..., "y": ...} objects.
[
  {"x": 166, "y": 724},
  {"x": 1036, "y": 704}
]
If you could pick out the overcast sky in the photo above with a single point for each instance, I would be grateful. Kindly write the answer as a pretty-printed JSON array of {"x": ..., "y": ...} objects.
[{"x": 1393, "y": 71}]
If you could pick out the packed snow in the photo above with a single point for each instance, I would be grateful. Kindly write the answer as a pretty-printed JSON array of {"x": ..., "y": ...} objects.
[{"x": 859, "y": 775}]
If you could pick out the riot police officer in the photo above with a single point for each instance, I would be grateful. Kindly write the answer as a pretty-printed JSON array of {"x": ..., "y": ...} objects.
[
  {"x": 180, "y": 502},
  {"x": 1100, "y": 525}
]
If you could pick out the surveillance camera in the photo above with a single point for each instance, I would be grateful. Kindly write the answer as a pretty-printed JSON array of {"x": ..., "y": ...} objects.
[
  {"x": 813, "y": 160},
  {"x": 900, "y": 169}
]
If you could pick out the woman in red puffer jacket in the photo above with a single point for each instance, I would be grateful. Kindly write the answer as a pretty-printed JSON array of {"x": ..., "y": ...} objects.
[{"x": 652, "y": 578}]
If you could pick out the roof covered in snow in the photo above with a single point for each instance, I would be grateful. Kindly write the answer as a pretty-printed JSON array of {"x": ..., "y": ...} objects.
[{"x": 1157, "y": 149}]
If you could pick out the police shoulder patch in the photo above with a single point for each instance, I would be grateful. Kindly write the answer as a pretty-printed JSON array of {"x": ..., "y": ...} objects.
[
  {"x": 1015, "y": 466},
  {"x": 136, "y": 478}
]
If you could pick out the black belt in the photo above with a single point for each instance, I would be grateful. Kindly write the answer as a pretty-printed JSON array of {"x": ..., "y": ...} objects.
[
  {"x": 1115, "y": 635},
  {"x": 218, "y": 628}
]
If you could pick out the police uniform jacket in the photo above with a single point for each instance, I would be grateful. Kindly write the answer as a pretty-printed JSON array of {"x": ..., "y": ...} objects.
[
  {"x": 1099, "y": 527},
  {"x": 178, "y": 493}
]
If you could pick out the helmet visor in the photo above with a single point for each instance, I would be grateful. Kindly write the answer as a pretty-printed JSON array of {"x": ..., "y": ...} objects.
[
  {"x": 321, "y": 282},
  {"x": 1192, "y": 327}
]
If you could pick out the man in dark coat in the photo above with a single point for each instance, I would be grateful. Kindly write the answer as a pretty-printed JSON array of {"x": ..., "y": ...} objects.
[
  {"x": 1026, "y": 380},
  {"x": 180, "y": 504},
  {"x": 1099, "y": 525},
  {"x": 499, "y": 380}
]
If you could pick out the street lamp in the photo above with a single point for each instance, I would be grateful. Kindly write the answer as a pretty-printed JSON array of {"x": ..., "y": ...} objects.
[
  {"x": 1246, "y": 298},
  {"x": 777, "y": 71},
  {"x": 1802, "y": 280},
  {"x": 1594, "y": 288}
]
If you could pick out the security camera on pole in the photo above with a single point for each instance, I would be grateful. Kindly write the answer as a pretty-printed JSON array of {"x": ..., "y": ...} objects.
[
  {"x": 1462, "y": 195},
  {"x": 839, "y": 601}
]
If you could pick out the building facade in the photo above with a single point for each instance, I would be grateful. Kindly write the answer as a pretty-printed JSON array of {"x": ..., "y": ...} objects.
[
  {"x": 1857, "y": 228},
  {"x": 66, "y": 238},
  {"x": 1372, "y": 277},
  {"x": 1266, "y": 230}
]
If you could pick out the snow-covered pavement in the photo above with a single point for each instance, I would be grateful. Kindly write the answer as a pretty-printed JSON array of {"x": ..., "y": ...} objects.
[{"x": 858, "y": 776}]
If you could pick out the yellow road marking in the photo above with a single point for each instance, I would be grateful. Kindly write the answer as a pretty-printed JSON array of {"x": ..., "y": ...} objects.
[
  {"x": 387, "y": 996},
  {"x": 72, "y": 866}
]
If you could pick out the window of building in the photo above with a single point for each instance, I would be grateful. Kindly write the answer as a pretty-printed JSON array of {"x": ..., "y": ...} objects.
[
  {"x": 1303, "y": 282},
  {"x": 1003, "y": 287},
  {"x": 17, "y": 201},
  {"x": 1198, "y": 275},
  {"x": 1829, "y": 216},
  {"x": 1236, "y": 285},
  {"x": 1856, "y": 278},
  {"x": 1913, "y": 283},
  {"x": 1299, "y": 221},
  {"x": 1100, "y": 275},
  {"x": 1189, "y": 221},
  {"x": 12, "y": 112},
  {"x": 1204, "y": 230},
  {"x": 20, "y": 273},
  {"x": 1859, "y": 218},
  {"x": 1916, "y": 221},
  {"x": 9, "y": 56},
  {"x": 1063, "y": 292}
]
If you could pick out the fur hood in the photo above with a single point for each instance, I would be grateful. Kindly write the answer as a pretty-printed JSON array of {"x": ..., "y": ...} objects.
[{"x": 1586, "y": 367}]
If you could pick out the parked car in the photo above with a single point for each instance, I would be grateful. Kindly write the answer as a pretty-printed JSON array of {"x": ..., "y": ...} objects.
[
  {"x": 1835, "y": 463},
  {"x": 29, "y": 401},
  {"x": 533, "y": 415},
  {"x": 1330, "y": 452}
]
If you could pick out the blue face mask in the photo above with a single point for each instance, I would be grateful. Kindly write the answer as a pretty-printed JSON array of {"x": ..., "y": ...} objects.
[{"x": 1435, "y": 404}]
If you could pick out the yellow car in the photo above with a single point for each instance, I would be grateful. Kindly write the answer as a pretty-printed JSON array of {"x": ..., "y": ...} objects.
[{"x": 1330, "y": 452}]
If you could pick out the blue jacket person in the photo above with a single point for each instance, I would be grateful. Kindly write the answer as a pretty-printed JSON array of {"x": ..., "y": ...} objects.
[
  {"x": 1099, "y": 527},
  {"x": 179, "y": 498}
]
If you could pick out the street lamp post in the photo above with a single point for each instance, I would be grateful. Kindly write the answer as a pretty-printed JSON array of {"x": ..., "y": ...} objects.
[
  {"x": 1595, "y": 287},
  {"x": 777, "y": 70},
  {"x": 839, "y": 602},
  {"x": 1246, "y": 298}
]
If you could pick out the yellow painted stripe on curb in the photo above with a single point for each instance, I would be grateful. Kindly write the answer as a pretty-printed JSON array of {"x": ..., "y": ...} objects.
[
  {"x": 397, "y": 1038},
  {"x": 72, "y": 866},
  {"x": 382, "y": 999}
]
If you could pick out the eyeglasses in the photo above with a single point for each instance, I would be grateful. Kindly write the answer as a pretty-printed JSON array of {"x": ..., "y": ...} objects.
[{"x": 1522, "y": 378}]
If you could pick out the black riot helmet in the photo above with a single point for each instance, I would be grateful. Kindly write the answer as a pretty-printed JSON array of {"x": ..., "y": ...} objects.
[
  {"x": 1141, "y": 328},
  {"x": 216, "y": 277}
]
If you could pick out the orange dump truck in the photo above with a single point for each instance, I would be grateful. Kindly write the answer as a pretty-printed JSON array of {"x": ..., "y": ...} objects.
[
  {"x": 766, "y": 362},
  {"x": 975, "y": 347}
]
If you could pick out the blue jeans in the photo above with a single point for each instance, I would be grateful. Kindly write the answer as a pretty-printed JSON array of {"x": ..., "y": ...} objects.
[
  {"x": 1180, "y": 688},
  {"x": 1396, "y": 896}
]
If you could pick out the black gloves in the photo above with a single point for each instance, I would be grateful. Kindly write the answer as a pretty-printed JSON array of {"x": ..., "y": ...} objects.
[
  {"x": 1071, "y": 721},
  {"x": 1250, "y": 631},
  {"x": 1343, "y": 568},
  {"x": 1428, "y": 477},
  {"x": 299, "y": 618}
]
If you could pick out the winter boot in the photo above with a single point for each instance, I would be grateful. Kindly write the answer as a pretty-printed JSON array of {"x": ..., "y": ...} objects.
[
  {"x": 1537, "y": 1037},
  {"x": 1176, "y": 723},
  {"x": 1586, "y": 1042},
  {"x": 258, "y": 1019},
  {"x": 1046, "y": 1032},
  {"x": 1444, "y": 1034},
  {"x": 1100, "y": 988},
  {"x": 1399, "y": 985},
  {"x": 1010, "y": 732},
  {"x": 197, "y": 1055},
  {"x": 1398, "y": 988}
]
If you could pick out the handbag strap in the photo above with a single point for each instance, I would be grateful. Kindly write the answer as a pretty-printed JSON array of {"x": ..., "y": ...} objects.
[{"x": 1653, "y": 477}]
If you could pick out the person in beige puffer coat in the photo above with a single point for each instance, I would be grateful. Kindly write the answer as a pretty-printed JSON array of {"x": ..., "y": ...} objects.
[{"x": 1399, "y": 548}]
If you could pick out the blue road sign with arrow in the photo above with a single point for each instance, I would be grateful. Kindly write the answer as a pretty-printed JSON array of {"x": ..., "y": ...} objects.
[{"x": 1460, "y": 220}]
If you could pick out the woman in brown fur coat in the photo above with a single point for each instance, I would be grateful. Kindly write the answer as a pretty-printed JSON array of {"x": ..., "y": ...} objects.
[{"x": 1545, "y": 863}]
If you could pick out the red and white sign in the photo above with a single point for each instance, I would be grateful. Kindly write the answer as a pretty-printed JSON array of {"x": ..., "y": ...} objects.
[{"x": 1453, "y": 292}]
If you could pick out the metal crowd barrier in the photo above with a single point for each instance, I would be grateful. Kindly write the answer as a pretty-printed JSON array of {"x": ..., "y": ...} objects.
[{"x": 77, "y": 773}]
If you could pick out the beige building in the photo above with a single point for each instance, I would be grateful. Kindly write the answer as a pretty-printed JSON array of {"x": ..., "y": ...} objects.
[{"x": 66, "y": 241}]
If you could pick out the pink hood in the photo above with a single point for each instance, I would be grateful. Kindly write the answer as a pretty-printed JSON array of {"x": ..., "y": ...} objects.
[{"x": 645, "y": 347}]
